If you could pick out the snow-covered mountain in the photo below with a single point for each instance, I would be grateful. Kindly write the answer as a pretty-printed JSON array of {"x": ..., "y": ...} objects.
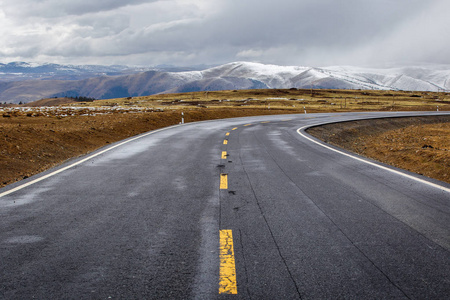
[
  {"x": 19, "y": 71},
  {"x": 232, "y": 76},
  {"x": 432, "y": 78}
]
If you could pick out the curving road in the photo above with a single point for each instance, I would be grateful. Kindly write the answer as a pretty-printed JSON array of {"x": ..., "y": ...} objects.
[{"x": 247, "y": 208}]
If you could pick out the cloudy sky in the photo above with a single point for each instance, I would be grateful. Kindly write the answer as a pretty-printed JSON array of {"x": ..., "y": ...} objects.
[{"x": 189, "y": 32}]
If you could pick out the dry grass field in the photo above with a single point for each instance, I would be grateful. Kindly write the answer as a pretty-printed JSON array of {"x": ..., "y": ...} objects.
[
  {"x": 37, "y": 136},
  {"x": 295, "y": 100}
]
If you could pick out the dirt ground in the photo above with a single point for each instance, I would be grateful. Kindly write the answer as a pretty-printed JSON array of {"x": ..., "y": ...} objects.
[
  {"x": 420, "y": 145},
  {"x": 37, "y": 136},
  {"x": 34, "y": 142}
]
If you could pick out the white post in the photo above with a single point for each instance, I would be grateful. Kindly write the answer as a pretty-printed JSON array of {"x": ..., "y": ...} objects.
[
  {"x": 304, "y": 108},
  {"x": 182, "y": 117}
]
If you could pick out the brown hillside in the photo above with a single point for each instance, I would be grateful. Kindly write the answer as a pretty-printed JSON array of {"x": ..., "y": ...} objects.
[{"x": 50, "y": 102}]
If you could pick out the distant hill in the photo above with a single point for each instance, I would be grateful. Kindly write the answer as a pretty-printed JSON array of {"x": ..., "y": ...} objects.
[
  {"x": 232, "y": 76},
  {"x": 54, "y": 101}
]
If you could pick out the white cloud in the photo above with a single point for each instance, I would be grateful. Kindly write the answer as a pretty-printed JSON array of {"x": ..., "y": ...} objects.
[
  {"x": 250, "y": 53},
  {"x": 62, "y": 8}
]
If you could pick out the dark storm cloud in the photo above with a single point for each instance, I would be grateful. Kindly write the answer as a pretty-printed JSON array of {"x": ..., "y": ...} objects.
[
  {"x": 325, "y": 27},
  {"x": 314, "y": 32}
]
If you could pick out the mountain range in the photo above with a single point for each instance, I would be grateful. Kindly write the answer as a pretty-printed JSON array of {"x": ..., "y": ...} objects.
[{"x": 33, "y": 82}]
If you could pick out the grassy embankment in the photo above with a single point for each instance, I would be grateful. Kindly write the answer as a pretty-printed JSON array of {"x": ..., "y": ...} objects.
[{"x": 420, "y": 144}]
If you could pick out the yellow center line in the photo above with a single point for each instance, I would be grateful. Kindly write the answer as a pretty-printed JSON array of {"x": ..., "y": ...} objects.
[
  {"x": 247, "y": 124},
  {"x": 224, "y": 154},
  {"x": 223, "y": 181},
  {"x": 225, "y": 142},
  {"x": 227, "y": 279},
  {"x": 234, "y": 128},
  {"x": 286, "y": 120},
  {"x": 227, "y": 134}
]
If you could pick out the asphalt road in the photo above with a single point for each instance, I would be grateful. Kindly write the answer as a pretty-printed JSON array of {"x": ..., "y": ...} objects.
[{"x": 144, "y": 219}]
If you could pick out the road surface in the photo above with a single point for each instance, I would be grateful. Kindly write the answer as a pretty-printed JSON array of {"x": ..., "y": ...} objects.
[{"x": 246, "y": 208}]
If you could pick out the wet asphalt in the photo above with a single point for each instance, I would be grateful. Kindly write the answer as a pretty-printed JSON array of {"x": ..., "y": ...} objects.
[{"x": 141, "y": 220}]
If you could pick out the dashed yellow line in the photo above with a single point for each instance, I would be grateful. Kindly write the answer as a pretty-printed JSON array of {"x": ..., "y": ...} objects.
[
  {"x": 227, "y": 134},
  {"x": 247, "y": 124},
  {"x": 224, "y": 154},
  {"x": 223, "y": 181},
  {"x": 225, "y": 142},
  {"x": 234, "y": 128},
  {"x": 227, "y": 279}
]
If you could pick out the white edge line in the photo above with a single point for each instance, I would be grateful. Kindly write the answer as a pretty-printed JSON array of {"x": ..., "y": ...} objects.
[
  {"x": 371, "y": 163},
  {"x": 80, "y": 162}
]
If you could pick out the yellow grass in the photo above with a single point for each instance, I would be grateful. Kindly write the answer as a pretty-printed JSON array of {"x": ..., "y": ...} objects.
[{"x": 291, "y": 100}]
